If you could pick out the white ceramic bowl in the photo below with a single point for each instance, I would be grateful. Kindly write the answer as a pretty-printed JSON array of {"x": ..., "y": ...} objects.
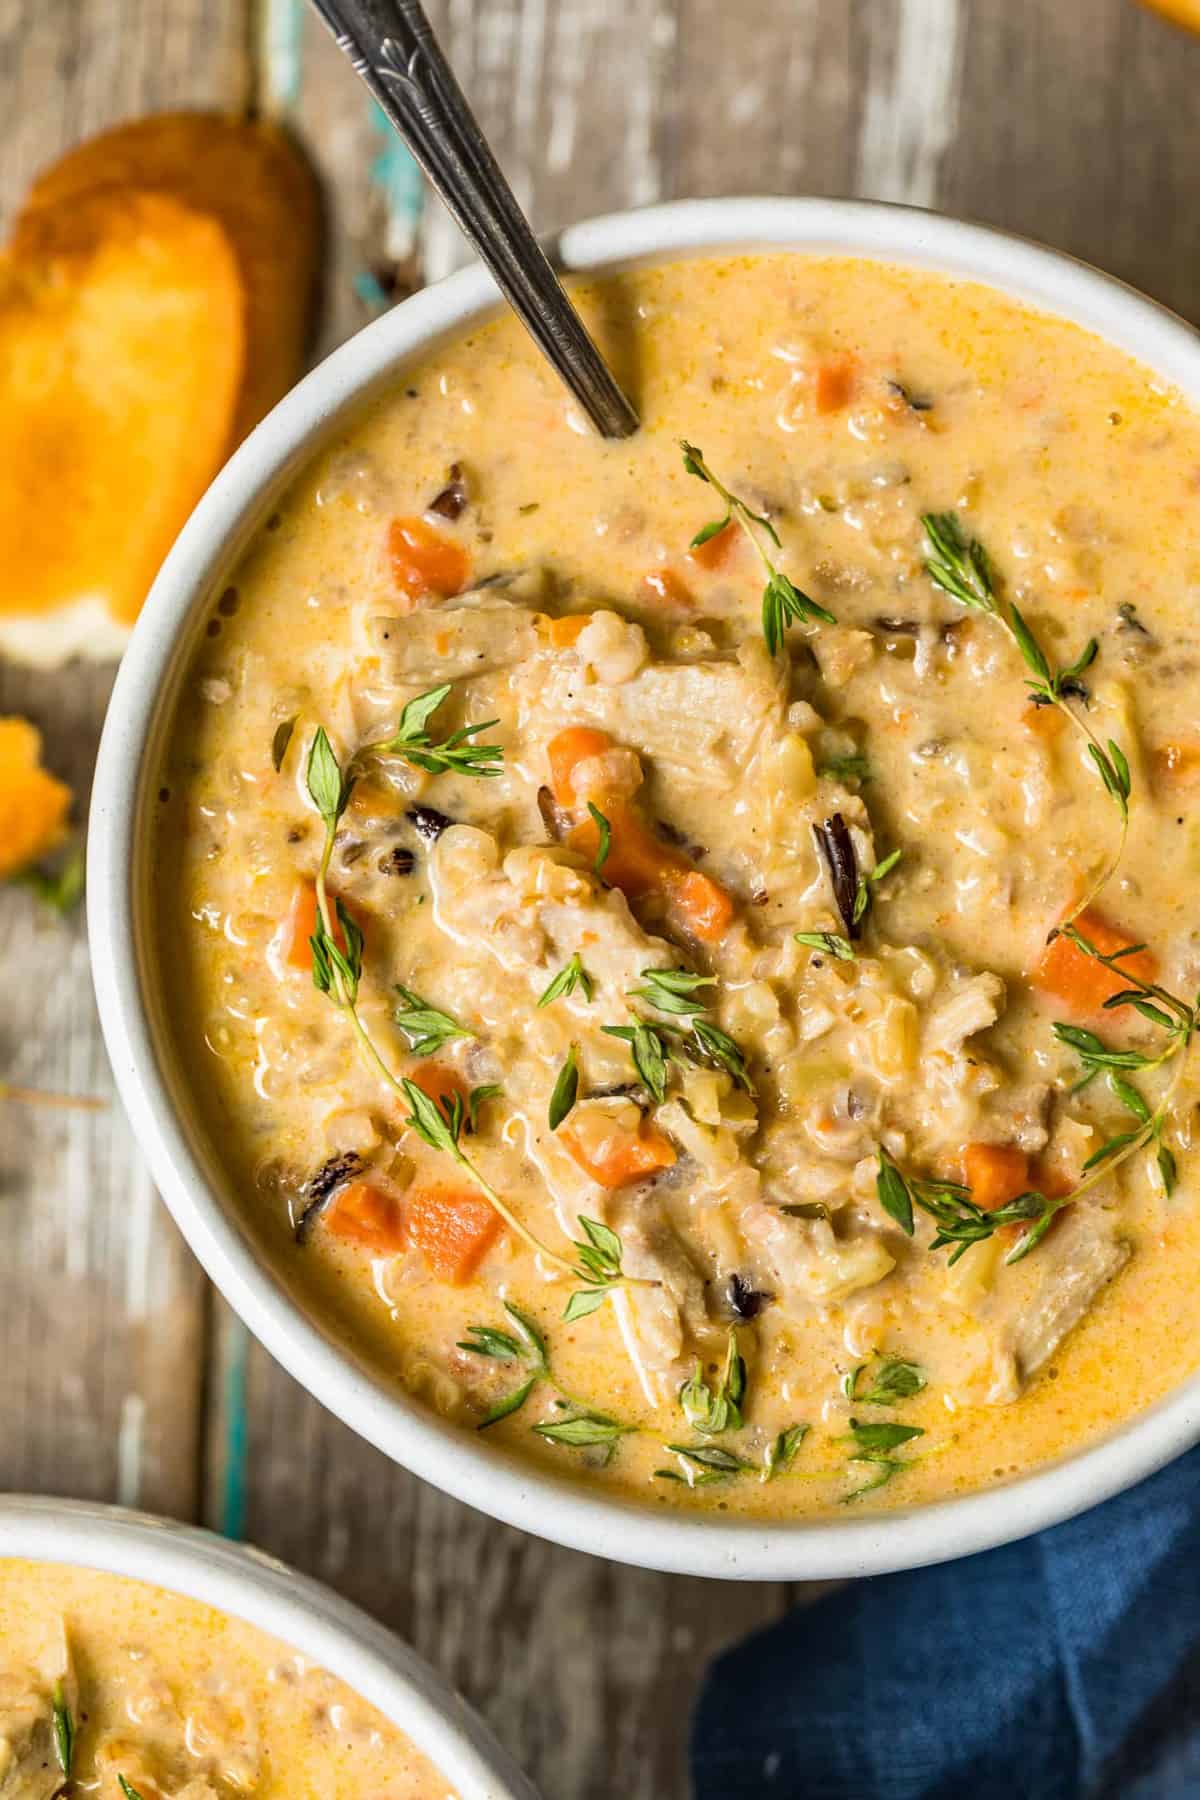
[
  {"x": 269, "y": 1595},
  {"x": 187, "y": 1173}
]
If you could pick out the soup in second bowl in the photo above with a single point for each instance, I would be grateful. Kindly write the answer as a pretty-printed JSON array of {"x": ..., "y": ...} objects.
[
  {"x": 112, "y": 1688},
  {"x": 685, "y": 946}
]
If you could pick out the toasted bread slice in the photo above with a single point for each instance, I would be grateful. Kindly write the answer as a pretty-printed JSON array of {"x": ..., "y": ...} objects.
[
  {"x": 121, "y": 358},
  {"x": 252, "y": 179}
]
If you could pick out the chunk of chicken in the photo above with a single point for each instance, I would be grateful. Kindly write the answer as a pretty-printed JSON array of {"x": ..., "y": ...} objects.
[
  {"x": 671, "y": 1319},
  {"x": 971, "y": 1006},
  {"x": 534, "y": 909},
  {"x": 1077, "y": 1260},
  {"x": 475, "y": 636},
  {"x": 703, "y": 720},
  {"x": 808, "y": 1262},
  {"x": 29, "y": 1768}
]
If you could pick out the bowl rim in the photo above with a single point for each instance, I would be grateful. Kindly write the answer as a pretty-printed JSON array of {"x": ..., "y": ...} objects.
[
  {"x": 302, "y": 1613},
  {"x": 565, "y": 1512}
]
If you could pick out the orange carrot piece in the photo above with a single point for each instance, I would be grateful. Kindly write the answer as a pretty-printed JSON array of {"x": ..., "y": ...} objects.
[
  {"x": 453, "y": 1228},
  {"x": 426, "y": 562},
  {"x": 833, "y": 384},
  {"x": 562, "y": 633},
  {"x": 574, "y": 745},
  {"x": 995, "y": 1174},
  {"x": 299, "y": 925},
  {"x": 1177, "y": 765},
  {"x": 715, "y": 551},
  {"x": 368, "y": 1216},
  {"x": 1078, "y": 980},
  {"x": 1045, "y": 722},
  {"x": 665, "y": 586},
  {"x": 702, "y": 906},
  {"x": 620, "y": 1156},
  {"x": 439, "y": 1082}
]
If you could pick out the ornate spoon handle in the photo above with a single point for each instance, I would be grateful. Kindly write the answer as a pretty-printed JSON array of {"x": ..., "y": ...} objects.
[{"x": 391, "y": 44}]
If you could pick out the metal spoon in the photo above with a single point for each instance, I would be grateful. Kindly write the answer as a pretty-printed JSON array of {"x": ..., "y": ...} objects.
[{"x": 391, "y": 44}]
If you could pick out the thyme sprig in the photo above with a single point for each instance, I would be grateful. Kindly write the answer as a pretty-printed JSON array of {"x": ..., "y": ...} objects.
[
  {"x": 127, "y": 1789},
  {"x": 713, "y": 1410},
  {"x": 960, "y": 1223},
  {"x": 832, "y": 943},
  {"x": 525, "y": 1344},
  {"x": 337, "y": 946},
  {"x": 456, "y": 754},
  {"x": 426, "y": 1028},
  {"x": 872, "y": 1445},
  {"x": 891, "y": 1380},
  {"x": 962, "y": 568},
  {"x": 572, "y": 975},
  {"x": 62, "y": 1722},
  {"x": 782, "y": 602}
]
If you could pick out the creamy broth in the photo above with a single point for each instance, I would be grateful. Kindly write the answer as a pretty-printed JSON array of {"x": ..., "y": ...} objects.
[
  {"x": 182, "y": 1702},
  {"x": 840, "y": 401}
]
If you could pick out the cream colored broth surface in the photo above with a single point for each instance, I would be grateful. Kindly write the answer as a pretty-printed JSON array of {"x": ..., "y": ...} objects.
[
  {"x": 183, "y": 1702},
  {"x": 841, "y": 401}
]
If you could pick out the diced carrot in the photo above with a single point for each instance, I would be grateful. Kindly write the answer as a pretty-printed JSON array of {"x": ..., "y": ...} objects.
[
  {"x": 1177, "y": 765},
  {"x": 453, "y": 1228},
  {"x": 666, "y": 586},
  {"x": 436, "y": 1080},
  {"x": 1078, "y": 980},
  {"x": 1045, "y": 722},
  {"x": 562, "y": 633},
  {"x": 715, "y": 551},
  {"x": 702, "y": 906},
  {"x": 615, "y": 1155},
  {"x": 833, "y": 384},
  {"x": 299, "y": 925},
  {"x": 367, "y": 1215},
  {"x": 995, "y": 1174},
  {"x": 425, "y": 561},
  {"x": 574, "y": 745},
  {"x": 637, "y": 862}
]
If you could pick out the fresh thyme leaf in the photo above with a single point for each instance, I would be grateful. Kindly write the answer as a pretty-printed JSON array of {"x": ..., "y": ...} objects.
[
  {"x": 600, "y": 1250},
  {"x": 438, "y": 1126},
  {"x": 455, "y": 755},
  {"x": 486, "y": 1340},
  {"x": 604, "y": 842},
  {"x": 716, "y": 1046},
  {"x": 566, "y": 1091},
  {"x": 693, "y": 1479},
  {"x": 885, "y": 1466},
  {"x": 584, "y": 1302},
  {"x": 327, "y": 789},
  {"x": 531, "y": 1334},
  {"x": 1167, "y": 1169},
  {"x": 854, "y": 767},
  {"x": 479, "y": 1096},
  {"x": 958, "y": 566},
  {"x": 63, "y": 1724},
  {"x": 650, "y": 1053},
  {"x": 892, "y": 1381},
  {"x": 572, "y": 975},
  {"x": 862, "y": 893},
  {"x": 781, "y": 1453},
  {"x": 782, "y": 603},
  {"x": 329, "y": 957},
  {"x": 882, "y": 1437},
  {"x": 1129, "y": 1097},
  {"x": 583, "y": 1430},
  {"x": 828, "y": 941},
  {"x": 511, "y": 1403},
  {"x": 1093, "y": 1052},
  {"x": 782, "y": 600},
  {"x": 60, "y": 888},
  {"x": 710, "y": 1456},
  {"x": 711, "y": 530},
  {"x": 128, "y": 1789},
  {"x": 281, "y": 740},
  {"x": 712, "y": 1410},
  {"x": 894, "y": 1197},
  {"x": 1110, "y": 1149},
  {"x": 673, "y": 990},
  {"x": 425, "y": 1027},
  {"x": 1029, "y": 647}
]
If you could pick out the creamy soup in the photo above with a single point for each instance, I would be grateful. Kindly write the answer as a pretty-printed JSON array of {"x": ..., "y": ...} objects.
[
  {"x": 639, "y": 921},
  {"x": 115, "y": 1689}
]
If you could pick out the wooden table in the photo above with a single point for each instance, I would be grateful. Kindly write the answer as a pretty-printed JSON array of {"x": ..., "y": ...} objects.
[{"x": 122, "y": 1376}]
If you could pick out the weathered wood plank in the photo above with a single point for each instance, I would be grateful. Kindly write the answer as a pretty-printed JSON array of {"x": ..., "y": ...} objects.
[{"x": 101, "y": 1306}]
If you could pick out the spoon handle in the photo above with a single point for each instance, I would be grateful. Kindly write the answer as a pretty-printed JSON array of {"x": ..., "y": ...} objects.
[{"x": 392, "y": 46}]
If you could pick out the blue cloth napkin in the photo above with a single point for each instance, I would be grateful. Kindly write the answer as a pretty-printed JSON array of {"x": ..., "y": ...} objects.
[{"x": 1065, "y": 1667}]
